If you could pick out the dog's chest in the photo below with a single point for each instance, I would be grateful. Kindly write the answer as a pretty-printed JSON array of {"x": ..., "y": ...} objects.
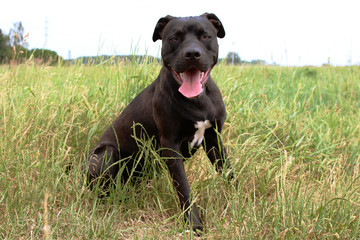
[{"x": 200, "y": 127}]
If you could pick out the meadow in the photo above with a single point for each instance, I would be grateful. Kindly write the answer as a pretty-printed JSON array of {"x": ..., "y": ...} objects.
[{"x": 292, "y": 135}]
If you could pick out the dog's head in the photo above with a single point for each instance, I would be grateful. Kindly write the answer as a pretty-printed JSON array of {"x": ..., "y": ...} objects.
[{"x": 189, "y": 49}]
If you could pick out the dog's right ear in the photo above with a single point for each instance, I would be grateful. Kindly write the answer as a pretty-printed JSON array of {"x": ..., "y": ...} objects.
[{"x": 160, "y": 27}]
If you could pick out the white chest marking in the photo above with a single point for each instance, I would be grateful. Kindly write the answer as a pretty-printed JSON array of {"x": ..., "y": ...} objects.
[{"x": 199, "y": 134}]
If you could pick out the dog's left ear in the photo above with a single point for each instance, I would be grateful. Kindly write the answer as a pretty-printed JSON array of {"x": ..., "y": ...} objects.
[
  {"x": 217, "y": 24},
  {"x": 160, "y": 27}
]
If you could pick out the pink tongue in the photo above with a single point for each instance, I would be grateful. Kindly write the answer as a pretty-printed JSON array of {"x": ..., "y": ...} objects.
[{"x": 191, "y": 86}]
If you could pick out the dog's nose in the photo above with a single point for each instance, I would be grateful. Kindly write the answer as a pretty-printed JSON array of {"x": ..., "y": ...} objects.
[{"x": 193, "y": 54}]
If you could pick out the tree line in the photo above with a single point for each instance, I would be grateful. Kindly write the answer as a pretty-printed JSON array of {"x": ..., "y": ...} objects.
[
  {"x": 234, "y": 59},
  {"x": 14, "y": 47}
]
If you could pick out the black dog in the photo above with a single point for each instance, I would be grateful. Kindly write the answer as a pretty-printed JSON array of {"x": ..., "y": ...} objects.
[{"x": 180, "y": 109}]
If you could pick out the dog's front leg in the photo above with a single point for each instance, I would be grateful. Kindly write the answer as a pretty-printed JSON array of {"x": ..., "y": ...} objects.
[{"x": 175, "y": 164}]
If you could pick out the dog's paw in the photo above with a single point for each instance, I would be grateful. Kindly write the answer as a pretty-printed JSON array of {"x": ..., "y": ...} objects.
[{"x": 198, "y": 230}]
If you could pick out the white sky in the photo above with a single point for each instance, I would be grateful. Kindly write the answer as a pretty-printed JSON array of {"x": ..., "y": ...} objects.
[{"x": 287, "y": 32}]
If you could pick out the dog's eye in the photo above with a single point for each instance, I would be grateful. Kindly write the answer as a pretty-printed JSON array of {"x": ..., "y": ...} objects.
[
  {"x": 174, "y": 39},
  {"x": 206, "y": 36}
]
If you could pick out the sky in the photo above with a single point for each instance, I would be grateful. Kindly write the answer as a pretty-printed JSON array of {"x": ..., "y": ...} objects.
[{"x": 285, "y": 32}]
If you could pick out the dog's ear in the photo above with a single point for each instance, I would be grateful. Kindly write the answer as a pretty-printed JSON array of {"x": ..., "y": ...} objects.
[
  {"x": 160, "y": 27},
  {"x": 217, "y": 24}
]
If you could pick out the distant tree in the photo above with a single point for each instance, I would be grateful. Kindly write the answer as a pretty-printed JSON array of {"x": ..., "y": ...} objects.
[
  {"x": 4, "y": 40},
  {"x": 12, "y": 47},
  {"x": 258, "y": 62},
  {"x": 5, "y": 49},
  {"x": 17, "y": 34},
  {"x": 43, "y": 55},
  {"x": 233, "y": 58}
]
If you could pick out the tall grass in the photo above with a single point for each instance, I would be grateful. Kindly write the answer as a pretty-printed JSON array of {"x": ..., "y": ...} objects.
[{"x": 292, "y": 134}]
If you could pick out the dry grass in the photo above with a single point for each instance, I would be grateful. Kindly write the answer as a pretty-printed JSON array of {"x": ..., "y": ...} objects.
[{"x": 292, "y": 135}]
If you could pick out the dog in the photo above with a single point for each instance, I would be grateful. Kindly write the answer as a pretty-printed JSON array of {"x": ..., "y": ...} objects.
[{"x": 182, "y": 110}]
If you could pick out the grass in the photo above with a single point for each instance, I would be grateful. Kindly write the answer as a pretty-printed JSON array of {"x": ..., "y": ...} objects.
[{"x": 292, "y": 134}]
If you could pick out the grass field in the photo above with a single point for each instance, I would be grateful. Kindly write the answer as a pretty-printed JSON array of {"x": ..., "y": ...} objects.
[{"x": 292, "y": 134}]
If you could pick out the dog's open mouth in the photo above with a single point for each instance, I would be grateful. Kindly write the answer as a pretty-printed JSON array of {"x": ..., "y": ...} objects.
[{"x": 191, "y": 81}]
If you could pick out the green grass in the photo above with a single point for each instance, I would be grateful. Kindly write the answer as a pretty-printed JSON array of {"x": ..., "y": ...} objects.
[{"x": 292, "y": 134}]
